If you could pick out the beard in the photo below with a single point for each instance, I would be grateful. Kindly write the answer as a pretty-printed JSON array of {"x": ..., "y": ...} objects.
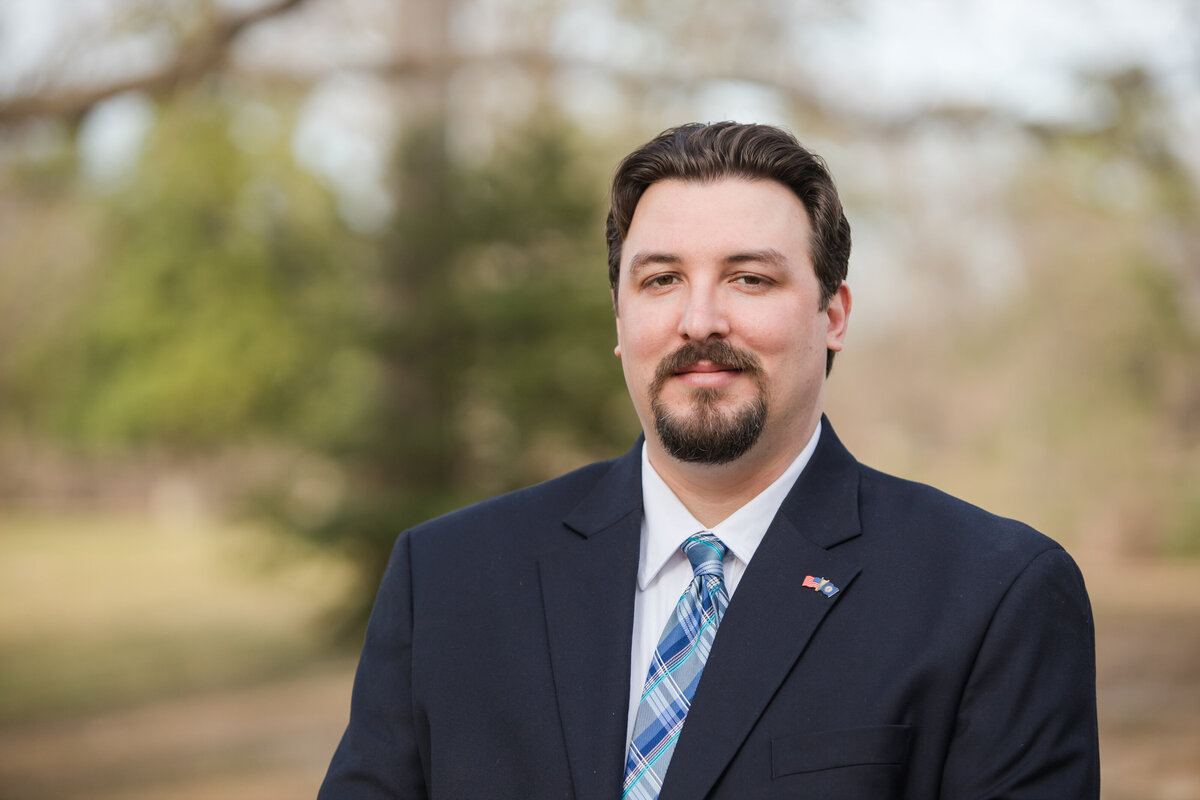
[{"x": 705, "y": 433}]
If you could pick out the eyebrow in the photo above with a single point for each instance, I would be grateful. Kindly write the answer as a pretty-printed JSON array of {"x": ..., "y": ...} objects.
[
  {"x": 767, "y": 255},
  {"x": 642, "y": 260}
]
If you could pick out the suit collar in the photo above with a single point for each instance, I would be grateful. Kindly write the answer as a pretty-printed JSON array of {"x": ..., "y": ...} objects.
[
  {"x": 617, "y": 494},
  {"x": 823, "y": 504},
  {"x": 588, "y": 586}
]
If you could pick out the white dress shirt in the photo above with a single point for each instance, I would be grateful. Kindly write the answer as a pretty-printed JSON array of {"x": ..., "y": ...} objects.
[{"x": 664, "y": 572}]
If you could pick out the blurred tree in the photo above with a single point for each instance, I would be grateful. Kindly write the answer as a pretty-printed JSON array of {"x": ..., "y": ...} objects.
[
  {"x": 1148, "y": 361},
  {"x": 495, "y": 334},
  {"x": 197, "y": 34},
  {"x": 221, "y": 302},
  {"x": 465, "y": 352}
]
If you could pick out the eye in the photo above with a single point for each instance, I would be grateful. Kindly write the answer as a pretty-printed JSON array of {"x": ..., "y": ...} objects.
[
  {"x": 751, "y": 280},
  {"x": 661, "y": 280}
]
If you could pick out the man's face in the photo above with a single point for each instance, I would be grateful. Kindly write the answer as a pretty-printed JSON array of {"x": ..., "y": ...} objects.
[{"x": 719, "y": 325}]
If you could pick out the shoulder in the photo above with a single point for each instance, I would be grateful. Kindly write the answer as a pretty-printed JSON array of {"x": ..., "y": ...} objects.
[
  {"x": 904, "y": 516},
  {"x": 940, "y": 558},
  {"x": 525, "y": 513}
]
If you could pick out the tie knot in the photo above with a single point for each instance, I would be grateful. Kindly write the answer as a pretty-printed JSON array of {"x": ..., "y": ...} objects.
[{"x": 706, "y": 552}]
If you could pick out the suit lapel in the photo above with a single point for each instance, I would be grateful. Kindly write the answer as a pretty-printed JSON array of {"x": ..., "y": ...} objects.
[
  {"x": 588, "y": 593},
  {"x": 771, "y": 617}
]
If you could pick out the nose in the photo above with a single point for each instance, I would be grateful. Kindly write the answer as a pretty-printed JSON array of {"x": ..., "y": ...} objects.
[{"x": 704, "y": 315}]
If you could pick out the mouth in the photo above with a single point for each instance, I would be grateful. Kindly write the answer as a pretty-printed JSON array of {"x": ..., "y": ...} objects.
[
  {"x": 704, "y": 366},
  {"x": 706, "y": 374},
  {"x": 712, "y": 365}
]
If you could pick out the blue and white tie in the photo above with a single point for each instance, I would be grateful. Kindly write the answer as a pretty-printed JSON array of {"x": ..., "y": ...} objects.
[{"x": 675, "y": 670}]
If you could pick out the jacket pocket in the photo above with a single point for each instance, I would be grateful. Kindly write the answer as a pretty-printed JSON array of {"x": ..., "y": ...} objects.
[{"x": 885, "y": 745}]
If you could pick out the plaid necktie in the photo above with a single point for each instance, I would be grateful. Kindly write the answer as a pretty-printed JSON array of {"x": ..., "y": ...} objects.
[{"x": 675, "y": 670}]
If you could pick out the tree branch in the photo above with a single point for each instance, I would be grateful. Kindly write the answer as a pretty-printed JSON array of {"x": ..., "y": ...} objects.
[
  {"x": 796, "y": 91},
  {"x": 203, "y": 54}
]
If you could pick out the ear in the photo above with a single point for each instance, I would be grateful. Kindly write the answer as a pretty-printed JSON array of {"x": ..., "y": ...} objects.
[
  {"x": 617, "y": 316},
  {"x": 838, "y": 313}
]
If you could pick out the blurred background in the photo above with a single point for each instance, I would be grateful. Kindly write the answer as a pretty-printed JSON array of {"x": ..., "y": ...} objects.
[{"x": 279, "y": 278}]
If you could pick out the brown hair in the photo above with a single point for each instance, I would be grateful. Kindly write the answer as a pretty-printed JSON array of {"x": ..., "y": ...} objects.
[{"x": 708, "y": 152}]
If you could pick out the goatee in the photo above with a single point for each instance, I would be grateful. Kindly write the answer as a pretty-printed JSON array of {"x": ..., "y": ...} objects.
[{"x": 704, "y": 434}]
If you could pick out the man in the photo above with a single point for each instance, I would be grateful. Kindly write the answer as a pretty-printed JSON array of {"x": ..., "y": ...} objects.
[{"x": 840, "y": 633}]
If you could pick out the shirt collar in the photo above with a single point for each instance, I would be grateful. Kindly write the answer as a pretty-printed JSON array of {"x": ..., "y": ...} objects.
[{"x": 666, "y": 522}]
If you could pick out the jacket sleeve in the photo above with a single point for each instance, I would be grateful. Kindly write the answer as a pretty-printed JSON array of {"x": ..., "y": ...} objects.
[
  {"x": 1026, "y": 726},
  {"x": 378, "y": 756}
]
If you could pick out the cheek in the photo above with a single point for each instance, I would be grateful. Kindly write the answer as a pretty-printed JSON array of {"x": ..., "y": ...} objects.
[
  {"x": 775, "y": 337},
  {"x": 789, "y": 351},
  {"x": 637, "y": 353},
  {"x": 644, "y": 334}
]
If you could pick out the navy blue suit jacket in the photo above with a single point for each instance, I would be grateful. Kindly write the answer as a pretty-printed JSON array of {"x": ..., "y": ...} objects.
[{"x": 956, "y": 660}]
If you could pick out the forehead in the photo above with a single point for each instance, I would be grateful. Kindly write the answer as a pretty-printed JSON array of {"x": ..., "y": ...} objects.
[{"x": 712, "y": 219}]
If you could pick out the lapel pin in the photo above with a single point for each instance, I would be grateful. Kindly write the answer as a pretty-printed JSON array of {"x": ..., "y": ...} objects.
[{"x": 821, "y": 585}]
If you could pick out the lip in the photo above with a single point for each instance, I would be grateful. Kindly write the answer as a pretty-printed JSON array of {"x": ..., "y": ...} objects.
[
  {"x": 708, "y": 373},
  {"x": 704, "y": 365}
]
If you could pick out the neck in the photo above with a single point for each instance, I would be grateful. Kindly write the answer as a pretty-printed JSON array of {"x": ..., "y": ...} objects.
[{"x": 712, "y": 492}]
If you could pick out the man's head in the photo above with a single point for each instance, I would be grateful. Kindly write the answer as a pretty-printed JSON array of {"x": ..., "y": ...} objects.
[
  {"x": 728, "y": 249},
  {"x": 704, "y": 153}
]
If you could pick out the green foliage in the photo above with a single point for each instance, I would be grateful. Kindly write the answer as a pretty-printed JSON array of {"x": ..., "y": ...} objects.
[
  {"x": 221, "y": 303},
  {"x": 466, "y": 352},
  {"x": 495, "y": 330}
]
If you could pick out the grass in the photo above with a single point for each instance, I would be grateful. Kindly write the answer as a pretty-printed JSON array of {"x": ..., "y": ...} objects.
[{"x": 104, "y": 611}]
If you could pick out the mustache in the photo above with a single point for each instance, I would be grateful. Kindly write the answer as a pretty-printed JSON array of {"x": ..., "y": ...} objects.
[{"x": 717, "y": 351}]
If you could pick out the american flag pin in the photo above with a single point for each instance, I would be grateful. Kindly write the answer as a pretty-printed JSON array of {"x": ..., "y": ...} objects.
[{"x": 821, "y": 585}]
